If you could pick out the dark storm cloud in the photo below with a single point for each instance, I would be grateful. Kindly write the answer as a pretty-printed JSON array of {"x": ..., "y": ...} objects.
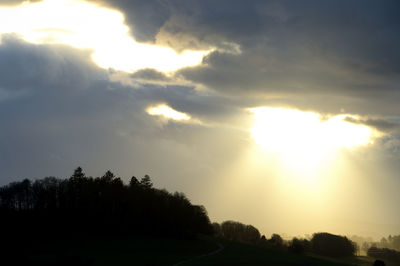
[
  {"x": 144, "y": 17},
  {"x": 290, "y": 50},
  {"x": 314, "y": 49},
  {"x": 69, "y": 113}
]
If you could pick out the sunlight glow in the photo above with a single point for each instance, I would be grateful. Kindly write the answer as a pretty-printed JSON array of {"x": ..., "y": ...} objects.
[
  {"x": 304, "y": 139},
  {"x": 85, "y": 25},
  {"x": 167, "y": 112}
]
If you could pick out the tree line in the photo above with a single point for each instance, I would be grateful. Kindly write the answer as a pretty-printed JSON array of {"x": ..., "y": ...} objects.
[
  {"x": 390, "y": 242},
  {"x": 321, "y": 243},
  {"x": 385, "y": 254},
  {"x": 99, "y": 206}
]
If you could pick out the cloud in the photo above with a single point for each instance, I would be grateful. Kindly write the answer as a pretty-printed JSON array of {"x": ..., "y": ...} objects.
[
  {"x": 297, "y": 54},
  {"x": 105, "y": 34},
  {"x": 380, "y": 124},
  {"x": 66, "y": 111},
  {"x": 144, "y": 17},
  {"x": 17, "y": 2},
  {"x": 282, "y": 52},
  {"x": 29, "y": 67},
  {"x": 167, "y": 113},
  {"x": 150, "y": 75}
]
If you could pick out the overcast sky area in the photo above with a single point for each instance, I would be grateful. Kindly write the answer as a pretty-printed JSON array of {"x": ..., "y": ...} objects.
[{"x": 78, "y": 81}]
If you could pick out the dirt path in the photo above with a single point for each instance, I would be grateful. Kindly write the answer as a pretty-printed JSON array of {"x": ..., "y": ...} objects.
[{"x": 220, "y": 248}]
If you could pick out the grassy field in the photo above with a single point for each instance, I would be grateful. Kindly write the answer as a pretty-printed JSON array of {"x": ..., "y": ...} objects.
[{"x": 165, "y": 251}]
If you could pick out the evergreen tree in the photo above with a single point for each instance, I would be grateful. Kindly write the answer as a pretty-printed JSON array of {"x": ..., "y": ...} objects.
[
  {"x": 145, "y": 182},
  {"x": 78, "y": 173}
]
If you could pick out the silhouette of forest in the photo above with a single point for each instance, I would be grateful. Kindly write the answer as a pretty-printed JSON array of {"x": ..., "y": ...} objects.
[
  {"x": 102, "y": 205},
  {"x": 52, "y": 209}
]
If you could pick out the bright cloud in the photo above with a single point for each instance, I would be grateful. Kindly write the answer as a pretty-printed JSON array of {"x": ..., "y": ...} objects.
[
  {"x": 167, "y": 112},
  {"x": 304, "y": 138},
  {"x": 84, "y": 25}
]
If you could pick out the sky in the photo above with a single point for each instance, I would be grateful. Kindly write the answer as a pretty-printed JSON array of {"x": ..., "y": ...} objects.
[{"x": 280, "y": 114}]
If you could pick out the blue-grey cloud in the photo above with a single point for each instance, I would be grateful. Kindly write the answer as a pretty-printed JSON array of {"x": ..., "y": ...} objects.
[
  {"x": 70, "y": 114},
  {"x": 150, "y": 75},
  {"x": 380, "y": 124},
  {"x": 346, "y": 51},
  {"x": 144, "y": 17}
]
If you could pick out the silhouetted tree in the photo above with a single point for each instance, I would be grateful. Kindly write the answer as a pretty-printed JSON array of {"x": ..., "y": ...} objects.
[
  {"x": 299, "y": 245},
  {"x": 332, "y": 245},
  {"x": 276, "y": 241},
  {"x": 145, "y": 182},
  {"x": 108, "y": 177},
  {"x": 237, "y": 231},
  {"x": 252, "y": 234},
  {"x": 78, "y": 173},
  {"x": 133, "y": 182},
  {"x": 263, "y": 240}
]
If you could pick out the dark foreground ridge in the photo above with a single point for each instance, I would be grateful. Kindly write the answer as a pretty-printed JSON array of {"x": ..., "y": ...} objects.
[{"x": 83, "y": 220}]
